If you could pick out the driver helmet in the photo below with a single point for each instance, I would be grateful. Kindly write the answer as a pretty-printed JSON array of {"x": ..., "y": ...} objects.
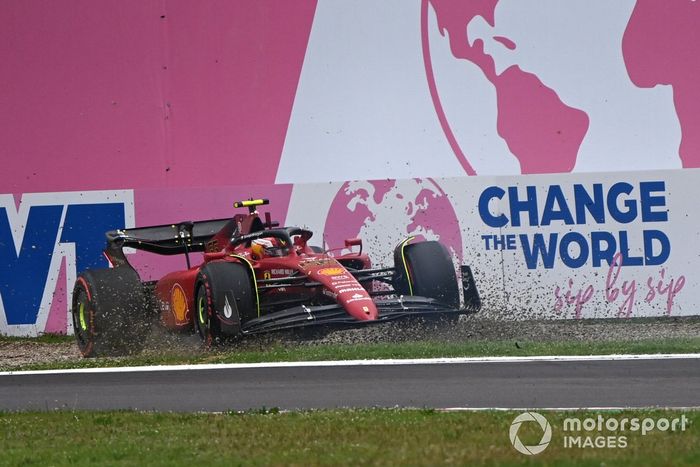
[{"x": 269, "y": 246}]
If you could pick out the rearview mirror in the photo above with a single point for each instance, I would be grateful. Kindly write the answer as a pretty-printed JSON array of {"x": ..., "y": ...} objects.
[
  {"x": 349, "y": 242},
  {"x": 353, "y": 242}
]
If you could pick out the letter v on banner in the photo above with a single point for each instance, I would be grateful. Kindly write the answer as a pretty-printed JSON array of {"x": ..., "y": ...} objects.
[{"x": 36, "y": 238}]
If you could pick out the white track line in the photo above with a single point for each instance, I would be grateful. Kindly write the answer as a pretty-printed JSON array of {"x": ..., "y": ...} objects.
[{"x": 339, "y": 363}]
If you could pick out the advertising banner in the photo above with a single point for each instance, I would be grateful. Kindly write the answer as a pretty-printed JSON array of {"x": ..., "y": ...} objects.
[
  {"x": 552, "y": 145},
  {"x": 596, "y": 245}
]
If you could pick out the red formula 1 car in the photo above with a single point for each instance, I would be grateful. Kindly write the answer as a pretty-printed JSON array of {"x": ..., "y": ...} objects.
[{"x": 256, "y": 277}]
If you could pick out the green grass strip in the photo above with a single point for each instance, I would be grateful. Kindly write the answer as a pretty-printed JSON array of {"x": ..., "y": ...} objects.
[{"x": 336, "y": 437}]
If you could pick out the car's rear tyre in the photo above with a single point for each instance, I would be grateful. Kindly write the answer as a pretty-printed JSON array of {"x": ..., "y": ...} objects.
[
  {"x": 110, "y": 312},
  {"x": 225, "y": 299},
  {"x": 425, "y": 269}
]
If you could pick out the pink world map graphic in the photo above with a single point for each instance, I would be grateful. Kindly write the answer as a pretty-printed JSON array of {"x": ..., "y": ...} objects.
[
  {"x": 545, "y": 134},
  {"x": 387, "y": 212}
]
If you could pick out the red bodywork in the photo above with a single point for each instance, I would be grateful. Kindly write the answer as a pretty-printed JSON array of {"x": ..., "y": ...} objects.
[
  {"x": 175, "y": 293},
  {"x": 252, "y": 277}
]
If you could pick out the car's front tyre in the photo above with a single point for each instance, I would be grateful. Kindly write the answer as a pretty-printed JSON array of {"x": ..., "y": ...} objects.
[{"x": 225, "y": 297}]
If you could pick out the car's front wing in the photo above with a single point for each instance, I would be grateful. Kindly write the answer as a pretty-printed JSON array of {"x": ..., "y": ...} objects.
[{"x": 336, "y": 316}]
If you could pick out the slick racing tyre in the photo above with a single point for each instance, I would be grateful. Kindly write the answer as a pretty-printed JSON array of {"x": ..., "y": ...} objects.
[
  {"x": 110, "y": 312},
  {"x": 225, "y": 298},
  {"x": 425, "y": 269}
]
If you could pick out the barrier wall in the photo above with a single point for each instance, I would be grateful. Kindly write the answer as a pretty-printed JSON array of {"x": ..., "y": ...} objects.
[{"x": 135, "y": 113}]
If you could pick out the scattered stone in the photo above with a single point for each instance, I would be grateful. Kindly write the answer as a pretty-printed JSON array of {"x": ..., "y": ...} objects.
[{"x": 15, "y": 354}]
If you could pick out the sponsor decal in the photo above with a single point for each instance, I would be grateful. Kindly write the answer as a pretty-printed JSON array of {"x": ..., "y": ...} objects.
[
  {"x": 328, "y": 293},
  {"x": 342, "y": 279},
  {"x": 550, "y": 207},
  {"x": 212, "y": 246},
  {"x": 363, "y": 299},
  {"x": 616, "y": 226},
  {"x": 351, "y": 289},
  {"x": 315, "y": 262},
  {"x": 254, "y": 235},
  {"x": 243, "y": 254},
  {"x": 228, "y": 311},
  {"x": 45, "y": 242},
  {"x": 331, "y": 271},
  {"x": 178, "y": 301},
  {"x": 277, "y": 273},
  {"x": 282, "y": 272}
]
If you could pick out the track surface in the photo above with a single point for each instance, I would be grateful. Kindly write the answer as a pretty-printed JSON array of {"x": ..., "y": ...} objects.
[{"x": 575, "y": 383}]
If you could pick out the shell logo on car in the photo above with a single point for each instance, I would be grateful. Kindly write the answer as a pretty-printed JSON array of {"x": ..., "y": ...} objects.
[
  {"x": 331, "y": 271},
  {"x": 178, "y": 301}
]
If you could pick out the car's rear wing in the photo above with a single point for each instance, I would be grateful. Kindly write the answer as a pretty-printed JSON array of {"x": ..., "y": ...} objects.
[{"x": 172, "y": 239}]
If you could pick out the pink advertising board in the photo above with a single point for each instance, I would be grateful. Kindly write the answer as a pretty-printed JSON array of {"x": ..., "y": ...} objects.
[{"x": 123, "y": 113}]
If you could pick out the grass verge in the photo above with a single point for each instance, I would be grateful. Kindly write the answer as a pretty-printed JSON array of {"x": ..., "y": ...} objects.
[
  {"x": 420, "y": 349},
  {"x": 337, "y": 437},
  {"x": 41, "y": 339}
]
